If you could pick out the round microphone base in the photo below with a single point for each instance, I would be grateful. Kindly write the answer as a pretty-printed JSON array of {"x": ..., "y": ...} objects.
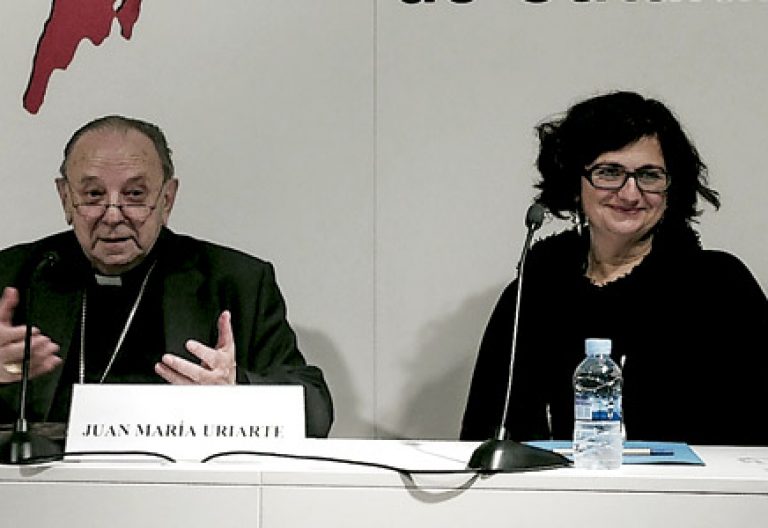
[{"x": 508, "y": 456}]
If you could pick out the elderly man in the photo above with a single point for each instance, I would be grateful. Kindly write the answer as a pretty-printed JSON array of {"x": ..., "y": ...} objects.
[{"x": 126, "y": 300}]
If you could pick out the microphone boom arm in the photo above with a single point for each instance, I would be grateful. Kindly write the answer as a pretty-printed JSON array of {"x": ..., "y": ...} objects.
[
  {"x": 499, "y": 454},
  {"x": 22, "y": 444},
  {"x": 501, "y": 432}
]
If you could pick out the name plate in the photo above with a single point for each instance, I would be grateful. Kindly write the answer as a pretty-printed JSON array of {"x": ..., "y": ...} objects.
[{"x": 184, "y": 422}]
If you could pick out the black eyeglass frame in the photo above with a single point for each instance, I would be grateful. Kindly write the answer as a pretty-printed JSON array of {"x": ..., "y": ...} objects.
[
  {"x": 627, "y": 174},
  {"x": 121, "y": 207}
]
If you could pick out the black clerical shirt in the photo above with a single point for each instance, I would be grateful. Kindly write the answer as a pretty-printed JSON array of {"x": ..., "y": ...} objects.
[{"x": 107, "y": 310}]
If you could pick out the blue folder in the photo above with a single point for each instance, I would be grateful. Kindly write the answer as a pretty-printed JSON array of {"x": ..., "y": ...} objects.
[{"x": 636, "y": 452}]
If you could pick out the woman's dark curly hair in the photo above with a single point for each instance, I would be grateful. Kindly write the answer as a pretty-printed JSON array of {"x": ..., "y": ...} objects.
[{"x": 611, "y": 122}]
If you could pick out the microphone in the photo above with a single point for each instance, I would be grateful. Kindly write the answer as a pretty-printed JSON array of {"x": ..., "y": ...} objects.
[
  {"x": 499, "y": 454},
  {"x": 23, "y": 444},
  {"x": 534, "y": 217}
]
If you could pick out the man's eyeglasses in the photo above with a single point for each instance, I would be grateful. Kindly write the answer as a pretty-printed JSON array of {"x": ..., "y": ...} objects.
[
  {"x": 612, "y": 177},
  {"x": 93, "y": 206}
]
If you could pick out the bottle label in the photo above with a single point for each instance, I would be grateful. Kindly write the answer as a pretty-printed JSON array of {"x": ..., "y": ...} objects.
[{"x": 598, "y": 409}]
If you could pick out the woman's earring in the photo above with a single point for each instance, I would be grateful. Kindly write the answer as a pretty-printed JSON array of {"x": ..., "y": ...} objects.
[{"x": 577, "y": 216}]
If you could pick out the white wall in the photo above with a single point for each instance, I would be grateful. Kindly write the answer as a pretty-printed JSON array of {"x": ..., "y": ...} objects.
[{"x": 381, "y": 153}]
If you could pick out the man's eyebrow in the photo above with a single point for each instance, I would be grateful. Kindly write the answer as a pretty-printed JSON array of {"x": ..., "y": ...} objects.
[
  {"x": 89, "y": 179},
  {"x": 140, "y": 178}
]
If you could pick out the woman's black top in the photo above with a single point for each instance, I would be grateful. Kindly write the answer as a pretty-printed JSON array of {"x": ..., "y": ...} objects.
[{"x": 689, "y": 323}]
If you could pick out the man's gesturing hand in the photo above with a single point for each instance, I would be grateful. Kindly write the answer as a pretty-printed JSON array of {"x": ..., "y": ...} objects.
[
  {"x": 217, "y": 365},
  {"x": 43, "y": 351}
]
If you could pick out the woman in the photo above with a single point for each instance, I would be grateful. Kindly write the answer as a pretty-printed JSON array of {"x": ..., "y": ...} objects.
[{"x": 686, "y": 323}]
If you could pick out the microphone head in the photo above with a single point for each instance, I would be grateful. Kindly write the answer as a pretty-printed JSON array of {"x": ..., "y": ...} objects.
[
  {"x": 49, "y": 260},
  {"x": 535, "y": 216}
]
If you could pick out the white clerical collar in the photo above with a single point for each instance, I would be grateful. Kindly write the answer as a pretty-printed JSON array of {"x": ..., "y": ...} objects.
[{"x": 108, "y": 280}]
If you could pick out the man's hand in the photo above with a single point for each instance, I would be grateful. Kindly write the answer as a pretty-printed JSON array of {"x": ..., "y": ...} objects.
[
  {"x": 43, "y": 351},
  {"x": 217, "y": 365}
]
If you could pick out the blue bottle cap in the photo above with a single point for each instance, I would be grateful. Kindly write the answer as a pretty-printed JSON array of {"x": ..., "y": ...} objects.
[{"x": 597, "y": 347}]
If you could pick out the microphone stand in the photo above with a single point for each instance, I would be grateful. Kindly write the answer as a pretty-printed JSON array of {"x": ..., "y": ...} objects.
[
  {"x": 499, "y": 454},
  {"x": 23, "y": 444}
]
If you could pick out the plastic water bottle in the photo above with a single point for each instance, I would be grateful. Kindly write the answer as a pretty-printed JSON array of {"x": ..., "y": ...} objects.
[{"x": 597, "y": 438}]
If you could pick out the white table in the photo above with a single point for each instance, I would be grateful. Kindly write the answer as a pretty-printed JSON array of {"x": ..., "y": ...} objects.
[{"x": 266, "y": 492}]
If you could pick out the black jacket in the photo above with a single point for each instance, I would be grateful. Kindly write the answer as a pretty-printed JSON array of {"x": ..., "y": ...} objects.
[
  {"x": 196, "y": 281},
  {"x": 690, "y": 324}
]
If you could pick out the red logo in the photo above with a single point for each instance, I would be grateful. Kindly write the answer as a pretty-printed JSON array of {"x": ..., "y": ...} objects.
[{"x": 70, "y": 22}]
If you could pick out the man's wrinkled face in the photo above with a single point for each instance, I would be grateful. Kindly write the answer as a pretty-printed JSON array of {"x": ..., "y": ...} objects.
[{"x": 115, "y": 198}]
